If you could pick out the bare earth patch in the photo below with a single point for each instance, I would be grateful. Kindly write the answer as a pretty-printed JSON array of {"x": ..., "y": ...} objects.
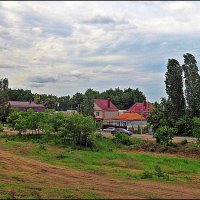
[{"x": 43, "y": 181}]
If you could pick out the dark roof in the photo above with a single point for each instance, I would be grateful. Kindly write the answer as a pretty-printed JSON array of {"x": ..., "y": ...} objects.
[
  {"x": 24, "y": 104},
  {"x": 103, "y": 103}
]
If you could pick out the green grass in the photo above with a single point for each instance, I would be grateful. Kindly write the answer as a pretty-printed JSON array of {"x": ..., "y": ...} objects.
[{"x": 113, "y": 163}]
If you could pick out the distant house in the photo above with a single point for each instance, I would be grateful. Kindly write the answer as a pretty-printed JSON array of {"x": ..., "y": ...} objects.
[
  {"x": 130, "y": 120},
  {"x": 25, "y": 105},
  {"x": 143, "y": 108},
  {"x": 105, "y": 110}
]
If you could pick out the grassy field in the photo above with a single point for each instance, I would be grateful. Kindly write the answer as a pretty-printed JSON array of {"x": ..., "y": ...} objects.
[{"x": 112, "y": 163}]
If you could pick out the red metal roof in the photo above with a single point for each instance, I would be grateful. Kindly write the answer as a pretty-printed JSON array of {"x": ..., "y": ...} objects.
[
  {"x": 104, "y": 104},
  {"x": 24, "y": 104},
  {"x": 140, "y": 107}
]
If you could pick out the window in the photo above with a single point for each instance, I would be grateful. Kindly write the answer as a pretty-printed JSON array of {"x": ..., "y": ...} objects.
[
  {"x": 123, "y": 123},
  {"x": 118, "y": 123},
  {"x": 97, "y": 113}
]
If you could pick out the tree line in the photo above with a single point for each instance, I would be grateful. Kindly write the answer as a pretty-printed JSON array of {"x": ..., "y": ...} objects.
[{"x": 83, "y": 102}]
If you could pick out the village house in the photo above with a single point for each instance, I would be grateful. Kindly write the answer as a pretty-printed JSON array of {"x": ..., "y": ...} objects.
[
  {"x": 105, "y": 110},
  {"x": 132, "y": 121},
  {"x": 143, "y": 108},
  {"x": 25, "y": 105}
]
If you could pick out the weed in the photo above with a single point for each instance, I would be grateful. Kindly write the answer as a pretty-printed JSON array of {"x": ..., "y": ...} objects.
[
  {"x": 42, "y": 147},
  {"x": 184, "y": 142},
  {"x": 163, "y": 149},
  {"x": 146, "y": 175},
  {"x": 60, "y": 156},
  {"x": 158, "y": 171}
]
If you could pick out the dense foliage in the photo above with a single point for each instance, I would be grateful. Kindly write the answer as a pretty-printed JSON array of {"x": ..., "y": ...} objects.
[
  {"x": 179, "y": 110},
  {"x": 73, "y": 129}
]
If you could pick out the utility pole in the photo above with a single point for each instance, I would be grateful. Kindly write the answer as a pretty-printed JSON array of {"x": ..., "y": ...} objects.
[{"x": 141, "y": 117}]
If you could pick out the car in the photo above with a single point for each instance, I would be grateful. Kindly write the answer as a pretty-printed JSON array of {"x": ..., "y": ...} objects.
[
  {"x": 123, "y": 131},
  {"x": 109, "y": 129}
]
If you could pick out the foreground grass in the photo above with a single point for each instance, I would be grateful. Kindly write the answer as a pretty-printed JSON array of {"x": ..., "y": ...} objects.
[{"x": 112, "y": 162}]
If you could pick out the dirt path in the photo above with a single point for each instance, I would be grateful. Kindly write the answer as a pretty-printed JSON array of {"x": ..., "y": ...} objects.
[
  {"x": 150, "y": 137},
  {"x": 51, "y": 176}
]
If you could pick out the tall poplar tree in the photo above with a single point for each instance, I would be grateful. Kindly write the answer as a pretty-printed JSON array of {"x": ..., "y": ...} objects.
[
  {"x": 192, "y": 85},
  {"x": 174, "y": 89},
  {"x": 3, "y": 98}
]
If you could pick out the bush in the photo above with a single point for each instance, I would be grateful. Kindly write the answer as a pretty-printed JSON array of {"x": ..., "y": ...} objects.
[
  {"x": 164, "y": 134},
  {"x": 146, "y": 175},
  {"x": 184, "y": 142},
  {"x": 79, "y": 130},
  {"x": 1, "y": 127},
  {"x": 163, "y": 149},
  {"x": 172, "y": 144},
  {"x": 196, "y": 129},
  {"x": 183, "y": 126},
  {"x": 122, "y": 139},
  {"x": 158, "y": 171}
]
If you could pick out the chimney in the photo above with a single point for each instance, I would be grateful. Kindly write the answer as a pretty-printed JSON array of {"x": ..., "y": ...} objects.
[
  {"x": 30, "y": 101},
  {"x": 108, "y": 103},
  {"x": 145, "y": 104}
]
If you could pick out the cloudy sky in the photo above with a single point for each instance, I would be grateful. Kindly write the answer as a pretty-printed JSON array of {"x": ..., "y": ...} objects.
[{"x": 62, "y": 47}]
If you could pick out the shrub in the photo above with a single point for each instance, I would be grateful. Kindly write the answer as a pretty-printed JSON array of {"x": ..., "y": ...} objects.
[
  {"x": 122, "y": 139},
  {"x": 79, "y": 130},
  {"x": 172, "y": 144},
  {"x": 146, "y": 175},
  {"x": 196, "y": 129},
  {"x": 158, "y": 171},
  {"x": 1, "y": 127},
  {"x": 183, "y": 126},
  {"x": 184, "y": 142},
  {"x": 42, "y": 147},
  {"x": 163, "y": 149},
  {"x": 164, "y": 134},
  {"x": 60, "y": 156},
  {"x": 151, "y": 149}
]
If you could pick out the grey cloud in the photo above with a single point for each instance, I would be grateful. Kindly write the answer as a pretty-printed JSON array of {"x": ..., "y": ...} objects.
[
  {"x": 36, "y": 85},
  {"x": 48, "y": 25},
  {"x": 100, "y": 20},
  {"x": 42, "y": 79}
]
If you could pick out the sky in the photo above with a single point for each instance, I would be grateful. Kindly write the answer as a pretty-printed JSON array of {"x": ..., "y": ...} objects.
[{"x": 65, "y": 47}]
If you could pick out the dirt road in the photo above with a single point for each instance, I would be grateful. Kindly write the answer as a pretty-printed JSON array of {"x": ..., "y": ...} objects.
[
  {"x": 36, "y": 175},
  {"x": 150, "y": 137}
]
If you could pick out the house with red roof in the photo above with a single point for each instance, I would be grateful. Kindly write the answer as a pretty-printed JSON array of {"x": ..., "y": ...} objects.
[
  {"x": 143, "y": 108},
  {"x": 105, "y": 110},
  {"x": 25, "y": 105}
]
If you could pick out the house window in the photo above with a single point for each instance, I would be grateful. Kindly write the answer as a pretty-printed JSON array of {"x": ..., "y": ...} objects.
[
  {"x": 97, "y": 113},
  {"x": 124, "y": 123},
  {"x": 118, "y": 123}
]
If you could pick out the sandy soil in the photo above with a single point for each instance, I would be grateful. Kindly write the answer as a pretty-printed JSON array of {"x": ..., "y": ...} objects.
[{"x": 42, "y": 173}]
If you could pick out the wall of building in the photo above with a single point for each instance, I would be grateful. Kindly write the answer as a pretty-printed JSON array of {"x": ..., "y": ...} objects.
[
  {"x": 98, "y": 109},
  {"x": 109, "y": 115},
  {"x": 130, "y": 124}
]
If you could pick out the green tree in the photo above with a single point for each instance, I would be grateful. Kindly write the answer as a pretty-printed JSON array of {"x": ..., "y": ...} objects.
[
  {"x": 88, "y": 102},
  {"x": 174, "y": 89},
  {"x": 192, "y": 85},
  {"x": 76, "y": 100},
  {"x": 164, "y": 134},
  {"x": 3, "y": 99},
  {"x": 79, "y": 130}
]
